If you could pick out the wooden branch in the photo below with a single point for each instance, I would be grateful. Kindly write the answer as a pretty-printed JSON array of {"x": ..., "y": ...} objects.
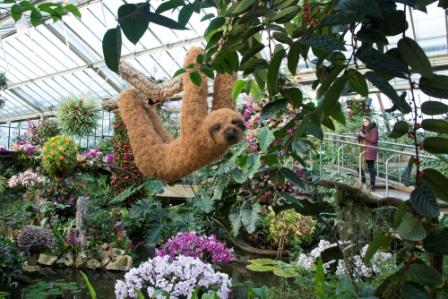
[
  {"x": 358, "y": 195},
  {"x": 150, "y": 91}
]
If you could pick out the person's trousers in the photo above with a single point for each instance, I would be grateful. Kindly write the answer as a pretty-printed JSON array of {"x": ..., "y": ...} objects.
[{"x": 372, "y": 172}]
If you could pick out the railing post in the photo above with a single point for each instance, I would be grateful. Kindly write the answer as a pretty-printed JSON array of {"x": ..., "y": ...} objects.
[
  {"x": 339, "y": 167},
  {"x": 399, "y": 170},
  {"x": 387, "y": 175},
  {"x": 360, "y": 167}
]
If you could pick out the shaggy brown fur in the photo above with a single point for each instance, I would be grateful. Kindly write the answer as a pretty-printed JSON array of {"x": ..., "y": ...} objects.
[{"x": 204, "y": 136}]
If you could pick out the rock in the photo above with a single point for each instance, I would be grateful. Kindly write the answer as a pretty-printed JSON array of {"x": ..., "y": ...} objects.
[
  {"x": 31, "y": 268},
  {"x": 81, "y": 259},
  {"x": 104, "y": 257},
  {"x": 66, "y": 260},
  {"x": 93, "y": 264},
  {"x": 47, "y": 260},
  {"x": 117, "y": 252},
  {"x": 120, "y": 263}
]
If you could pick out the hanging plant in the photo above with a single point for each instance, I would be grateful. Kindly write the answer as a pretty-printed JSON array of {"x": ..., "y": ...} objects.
[
  {"x": 78, "y": 117},
  {"x": 47, "y": 128}
]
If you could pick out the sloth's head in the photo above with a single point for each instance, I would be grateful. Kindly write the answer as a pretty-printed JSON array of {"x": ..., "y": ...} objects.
[{"x": 225, "y": 126}]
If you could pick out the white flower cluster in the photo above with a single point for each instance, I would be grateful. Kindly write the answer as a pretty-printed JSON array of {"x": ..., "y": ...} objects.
[
  {"x": 360, "y": 269},
  {"x": 177, "y": 278},
  {"x": 26, "y": 179}
]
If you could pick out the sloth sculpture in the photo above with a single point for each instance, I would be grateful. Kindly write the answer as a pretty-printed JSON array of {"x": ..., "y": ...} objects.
[{"x": 204, "y": 136}]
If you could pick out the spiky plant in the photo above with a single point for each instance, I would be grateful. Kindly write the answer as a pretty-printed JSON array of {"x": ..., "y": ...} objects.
[{"x": 78, "y": 117}]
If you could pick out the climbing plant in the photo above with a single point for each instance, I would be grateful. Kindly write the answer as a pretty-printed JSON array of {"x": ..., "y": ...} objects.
[{"x": 350, "y": 43}]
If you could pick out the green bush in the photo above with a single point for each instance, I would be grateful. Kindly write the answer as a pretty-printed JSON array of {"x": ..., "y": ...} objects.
[
  {"x": 78, "y": 117},
  {"x": 59, "y": 155},
  {"x": 10, "y": 261}
]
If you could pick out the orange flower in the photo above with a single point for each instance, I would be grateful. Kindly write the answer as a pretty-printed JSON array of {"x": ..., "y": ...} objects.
[
  {"x": 60, "y": 148},
  {"x": 61, "y": 157},
  {"x": 52, "y": 153}
]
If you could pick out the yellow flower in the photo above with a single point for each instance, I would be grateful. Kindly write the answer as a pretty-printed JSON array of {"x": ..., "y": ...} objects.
[
  {"x": 60, "y": 148},
  {"x": 52, "y": 153},
  {"x": 61, "y": 157},
  {"x": 53, "y": 144},
  {"x": 68, "y": 155}
]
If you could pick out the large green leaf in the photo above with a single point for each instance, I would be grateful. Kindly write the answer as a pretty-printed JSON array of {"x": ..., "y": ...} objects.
[
  {"x": 272, "y": 108},
  {"x": 380, "y": 241},
  {"x": 293, "y": 57},
  {"x": 436, "y": 145},
  {"x": 240, "y": 7},
  {"x": 389, "y": 91},
  {"x": 195, "y": 77},
  {"x": 438, "y": 183},
  {"x": 167, "y": 5},
  {"x": 249, "y": 53},
  {"x": 358, "y": 82},
  {"x": 337, "y": 114},
  {"x": 333, "y": 94},
  {"x": 340, "y": 18},
  {"x": 112, "y": 48},
  {"x": 437, "y": 242},
  {"x": 265, "y": 138},
  {"x": 424, "y": 202},
  {"x": 291, "y": 176},
  {"x": 134, "y": 20},
  {"x": 286, "y": 14},
  {"x": 164, "y": 21},
  {"x": 238, "y": 86},
  {"x": 411, "y": 228},
  {"x": 293, "y": 95},
  {"x": 411, "y": 290},
  {"x": 424, "y": 275},
  {"x": 329, "y": 79},
  {"x": 185, "y": 14},
  {"x": 235, "y": 219},
  {"x": 36, "y": 17},
  {"x": 414, "y": 56},
  {"x": 273, "y": 71},
  {"x": 436, "y": 87},
  {"x": 394, "y": 22},
  {"x": 434, "y": 108},
  {"x": 250, "y": 215},
  {"x": 324, "y": 42},
  {"x": 400, "y": 128},
  {"x": 435, "y": 125},
  {"x": 382, "y": 63}
]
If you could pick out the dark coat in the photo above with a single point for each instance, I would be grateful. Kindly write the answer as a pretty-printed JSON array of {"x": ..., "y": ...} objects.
[{"x": 370, "y": 139}]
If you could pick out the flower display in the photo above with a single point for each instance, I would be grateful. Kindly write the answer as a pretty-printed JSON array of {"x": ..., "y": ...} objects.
[
  {"x": 59, "y": 155},
  {"x": 164, "y": 277},
  {"x": 26, "y": 147},
  {"x": 108, "y": 158},
  {"x": 27, "y": 178},
  {"x": 307, "y": 261},
  {"x": 206, "y": 248},
  {"x": 78, "y": 117}
]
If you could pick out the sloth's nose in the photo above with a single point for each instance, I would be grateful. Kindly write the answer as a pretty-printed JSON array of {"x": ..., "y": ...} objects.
[{"x": 231, "y": 135}]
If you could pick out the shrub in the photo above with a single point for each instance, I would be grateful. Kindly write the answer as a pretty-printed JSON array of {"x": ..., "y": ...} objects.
[
  {"x": 59, "y": 155},
  {"x": 10, "y": 261},
  {"x": 162, "y": 277},
  {"x": 78, "y": 117},
  {"x": 289, "y": 224}
]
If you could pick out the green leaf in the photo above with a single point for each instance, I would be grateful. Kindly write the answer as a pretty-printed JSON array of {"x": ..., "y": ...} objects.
[
  {"x": 272, "y": 108},
  {"x": 238, "y": 86},
  {"x": 435, "y": 125},
  {"x": 167, "y": 5},
  {"x": 436, "y": 87},
  {"x": 258, "y": 293},
  {"x": 185, "y": 14},
  {"x": 389, "y": 91},
  {"x": 134, "y": 20},
  {"x": 16, "y": 12},
  {"x": 434, "y": 108},
  {"x": 411, "y": 228},
  {"x": 424, "y": 275},
  {"x": 333, "y": 94},
  {"x": 423, "y": 201},
  {"x": 438, "y": 183},
  {"x": 394, "y": 22},
  {"x": 73, "y": 10},
  {"x": 286, "y": 14},
  {"x": 179, "y": 72},
  {"x": 214, "y": 26},
  {"x": 400, "y": 128},
  {"x": 250, "y": 216},
  {"x": 195, "y": 77},
  {"x": 265, "y": 138},
  {"x": 329, "y": 79},
  {"x": 293, "y": 57},
  {"x": 337, "y": 114},
  {"x": 436, "y": 145},
  {"x": 358, "y": 82},
  {"x": 36, "y": 17},
  {"x": 90, "y": 287},
  {"x": 240, "y": 7},
  {"x": 293, "y": 95},
  {"x": 382, "y": 63},
  {"x": 411, "y": 290},
  {"x": 414, "y": 56},
  {"x": 324, "y": 42},
  {"x": 235, "y": 219},
  {"x": 340, "y": 18},
  {"x": 257, "y": 47},
  {"x": 208, "y": 71},
  {"x": 164, "y": 21},
  {"x": 207, "y": 17},
  {"x": 437, "y": 243},
  {"x": 380, "y": 240},
  {"x": 294, "y": 178},
  {"x": 319, "y": 280},
  {"x": 112, "y": 48},
  {"x": 273, "y": 71}
]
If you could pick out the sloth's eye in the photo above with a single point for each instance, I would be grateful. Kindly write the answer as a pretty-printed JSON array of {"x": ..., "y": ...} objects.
[
  {"x": 239, "y": 123},
  {"x": 215, "y": 127}
]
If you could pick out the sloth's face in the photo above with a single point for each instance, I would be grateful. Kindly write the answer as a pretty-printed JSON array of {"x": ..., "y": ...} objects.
[{"x": 225, "y": 126}]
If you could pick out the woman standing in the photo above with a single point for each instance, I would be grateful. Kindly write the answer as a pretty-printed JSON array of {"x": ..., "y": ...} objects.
[{"x": 368, "y": 135}]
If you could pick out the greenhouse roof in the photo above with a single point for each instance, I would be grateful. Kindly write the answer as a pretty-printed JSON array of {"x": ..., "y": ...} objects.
[{"x": 53, "y": 61}]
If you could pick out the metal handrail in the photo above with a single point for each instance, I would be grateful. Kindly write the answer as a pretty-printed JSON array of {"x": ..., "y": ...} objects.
[{"x": 350, "y": 135}]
